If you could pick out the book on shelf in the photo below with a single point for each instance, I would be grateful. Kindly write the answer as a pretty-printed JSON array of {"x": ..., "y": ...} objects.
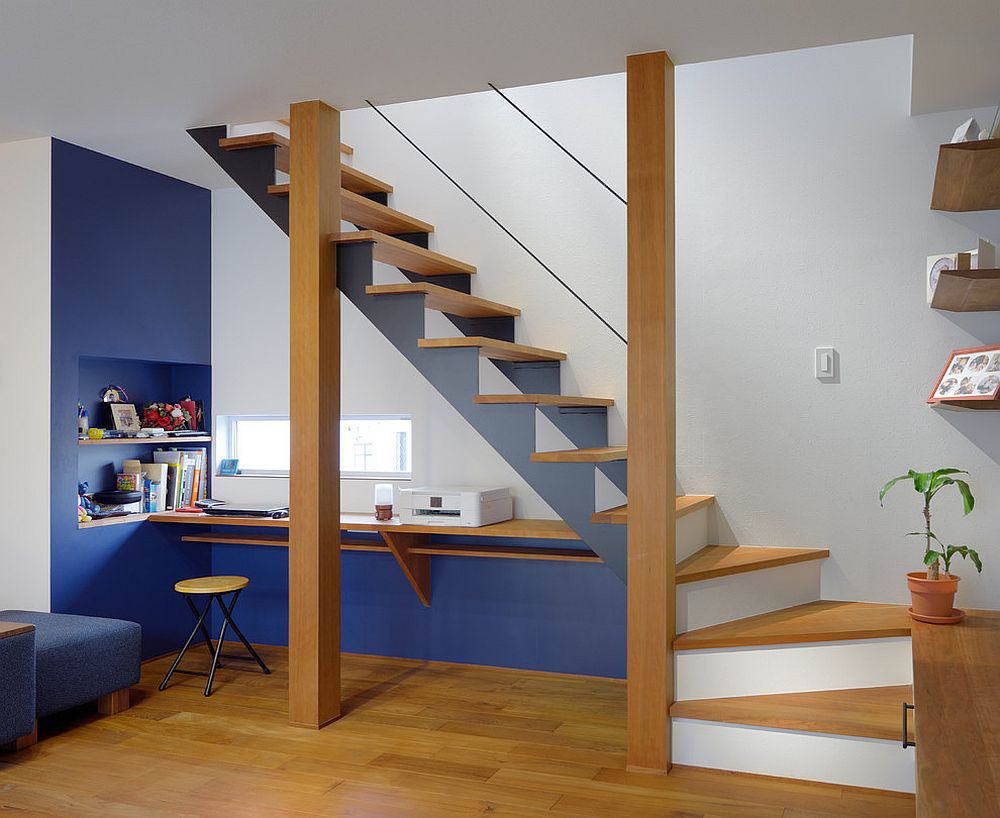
[{"x": 188, "y": 467}]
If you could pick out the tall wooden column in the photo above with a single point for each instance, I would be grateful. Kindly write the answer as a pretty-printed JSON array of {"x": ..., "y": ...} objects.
[
  {"x": 652, "y": 433},
  {"x": 314, "y": 516}
]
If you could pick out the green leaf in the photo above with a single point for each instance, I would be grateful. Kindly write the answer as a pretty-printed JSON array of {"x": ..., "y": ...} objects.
[
  {"x": 937, "y": 475},
  {"x": 974, "y": 556},
  {"x": 932, "y": 556},
  {"x": 968, "y": 501},
  {"x": 891, "y": 483},
  {"x": 922, "y": 480}
]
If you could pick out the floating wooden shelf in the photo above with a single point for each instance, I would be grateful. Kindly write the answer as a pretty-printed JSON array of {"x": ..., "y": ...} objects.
[
  {"x": 564, "y": 401},
  {"x": 686, "y": 504},
  {"x": 821, "y": 621},
  {"x": 493, "y": 348},
  {"x": 446, "y": 300},
  {"x": 967, "y": 291},
  {"x": 724, "y": 560},
  {"x": 965, "y": 405},
  {"x": 868, "y": 712},
  {"x": 602, "y": 454},
  {"x": 968, "y": 177},
  {"x": 405, "y": 255},
  {"x": 149, "y": 441},
  {"x": 129, "y": 518}
]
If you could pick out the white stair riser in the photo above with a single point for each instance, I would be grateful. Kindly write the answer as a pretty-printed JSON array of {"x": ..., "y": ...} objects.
[
  {"x": 856, "y": 762},
  {"x": 692, "y": 533},
  {"x": 713, "y": 601},
  {"x": 751, "y": 671}
]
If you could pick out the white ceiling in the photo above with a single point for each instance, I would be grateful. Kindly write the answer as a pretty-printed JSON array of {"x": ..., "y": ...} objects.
[{"x": 127, "y": 77}]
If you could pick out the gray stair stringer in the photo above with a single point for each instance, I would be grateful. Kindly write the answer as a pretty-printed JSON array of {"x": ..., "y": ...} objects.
[{"x": 568, "y": 488}]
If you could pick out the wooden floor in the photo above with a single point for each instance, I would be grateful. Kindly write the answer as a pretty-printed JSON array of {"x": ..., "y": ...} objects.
[{"x": 416, "y": 740}]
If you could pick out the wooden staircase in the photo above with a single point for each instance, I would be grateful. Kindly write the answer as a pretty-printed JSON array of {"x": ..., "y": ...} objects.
[{"x": 758, "y": 651}]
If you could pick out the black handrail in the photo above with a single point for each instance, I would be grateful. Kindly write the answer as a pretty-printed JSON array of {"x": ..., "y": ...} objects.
[
  {"x": 496, "y": 221},
  {"x": 559, "y": 144}
]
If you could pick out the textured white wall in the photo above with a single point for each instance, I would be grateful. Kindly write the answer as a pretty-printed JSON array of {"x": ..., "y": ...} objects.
[
  {"x": 803, "y": 220},
  {"x": 25, "y": 241}
]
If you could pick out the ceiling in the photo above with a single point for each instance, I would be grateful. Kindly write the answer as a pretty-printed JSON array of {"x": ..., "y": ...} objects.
[{"x": 126, "y": 77}]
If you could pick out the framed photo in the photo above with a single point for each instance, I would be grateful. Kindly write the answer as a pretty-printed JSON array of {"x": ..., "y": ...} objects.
[
  {"x": 124, "y": 417},
  {"x": 969, "y": 375},
  {"x": 229, "y": 467}
]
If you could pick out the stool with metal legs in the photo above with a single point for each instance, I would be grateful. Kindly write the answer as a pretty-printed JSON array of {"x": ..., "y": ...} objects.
[{"x": 214, "y": 588}]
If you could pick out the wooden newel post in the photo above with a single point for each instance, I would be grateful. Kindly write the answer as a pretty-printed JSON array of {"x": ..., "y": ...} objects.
[
  {"x": 652, "y": 433},
  {"x": 314, "y": 517}
]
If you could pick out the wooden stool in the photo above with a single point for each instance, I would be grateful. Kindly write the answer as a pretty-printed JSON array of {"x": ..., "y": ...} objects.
[{"x": 215, "y": 588}]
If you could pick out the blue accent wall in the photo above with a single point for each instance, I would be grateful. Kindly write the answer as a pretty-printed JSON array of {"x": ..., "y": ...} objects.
[
  {"x": 131, "y": 303},
  {"x": 567, "y": 617}
]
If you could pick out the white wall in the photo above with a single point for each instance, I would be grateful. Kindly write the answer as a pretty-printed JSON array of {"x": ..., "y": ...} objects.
[
  {"x": 803, "y": 220},
  {"x": 25, "y": 238}
]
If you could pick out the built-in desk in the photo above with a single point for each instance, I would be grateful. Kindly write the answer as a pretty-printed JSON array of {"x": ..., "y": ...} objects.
[
  {"x": 411, "y": 545},
  {"x": 956, "y": 690}
]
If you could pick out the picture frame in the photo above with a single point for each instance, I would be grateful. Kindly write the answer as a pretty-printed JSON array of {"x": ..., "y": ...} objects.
[
  {"x": 971, "y": 374},
  {"x": 229, "y": 467},
  {"x": 124, "y": 417}
]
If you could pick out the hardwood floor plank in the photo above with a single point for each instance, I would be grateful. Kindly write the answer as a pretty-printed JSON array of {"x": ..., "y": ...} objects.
[{"x": 417, "y": 740}]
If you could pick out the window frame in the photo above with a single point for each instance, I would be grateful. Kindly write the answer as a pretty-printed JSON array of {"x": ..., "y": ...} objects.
[{"x": 230, "y": 447}]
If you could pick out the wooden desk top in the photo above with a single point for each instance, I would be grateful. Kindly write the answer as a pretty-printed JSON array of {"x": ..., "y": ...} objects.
[
  {"x": 956, "y": 671},
  {"x": 518, "y": 528},
  {"x": 14, "y": 629}
]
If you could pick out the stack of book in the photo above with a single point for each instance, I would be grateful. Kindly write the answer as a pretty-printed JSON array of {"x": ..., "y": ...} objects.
[{"x": 187, "y": 475}]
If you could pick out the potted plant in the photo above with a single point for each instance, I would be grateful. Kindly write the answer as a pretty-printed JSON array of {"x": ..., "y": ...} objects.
[{"x": 933, "y": 593}]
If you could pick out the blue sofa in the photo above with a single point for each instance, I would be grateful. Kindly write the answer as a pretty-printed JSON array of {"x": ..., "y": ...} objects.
[
  {"x": 75, "y": 660},
  {"x": 17, "y": 681}
]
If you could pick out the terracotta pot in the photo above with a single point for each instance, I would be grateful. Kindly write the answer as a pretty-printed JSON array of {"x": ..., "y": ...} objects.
[{"x": 933, "y": 599}]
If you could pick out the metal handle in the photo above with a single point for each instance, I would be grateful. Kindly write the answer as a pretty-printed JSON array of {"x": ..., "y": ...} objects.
[{"x": 906, "y": 731}]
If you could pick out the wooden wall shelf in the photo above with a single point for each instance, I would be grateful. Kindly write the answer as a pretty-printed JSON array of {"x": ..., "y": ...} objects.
[
  {"x": 965, "y": 405},
  {"x": 147, "y": 441},
  {"x": 130, "y": 518},
  {"x": 968, "y": 177},
  {"x": 967, "y": 291}
]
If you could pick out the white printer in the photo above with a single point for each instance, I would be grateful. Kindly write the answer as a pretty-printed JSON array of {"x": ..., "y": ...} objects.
[{"x": 468, "y": 506}]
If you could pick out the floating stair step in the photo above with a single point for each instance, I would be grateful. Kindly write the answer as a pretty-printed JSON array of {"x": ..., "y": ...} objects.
[
  {"x": 368, "y": 214},
  {"x": 403, "y": 254},
  {"x": 565, "y": 401},
  {"x": 601, "y": 454},
  {"x": 822, "y": 621},
  {"x": 723, "y": 560},
  {"x": 866, "y": 712},
  {"x": 686, "y": 504},
  {"x": 350, "y": 178},
  {"x": 266, "y": 140},
  {"x": 345, "y": 149},
  {"x": 447, "y": 300},
  {"x": 494, "y": 349}
]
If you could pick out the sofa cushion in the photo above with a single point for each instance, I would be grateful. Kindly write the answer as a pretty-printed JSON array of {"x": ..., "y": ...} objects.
[
  {"x": 17, "y": 685},
  {"x": 79, "y": 658}
]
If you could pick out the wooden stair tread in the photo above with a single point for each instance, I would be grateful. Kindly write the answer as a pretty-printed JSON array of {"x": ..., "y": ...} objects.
[
  {"x": 369, "y": 214},
  {"x": 398, "y": 253},
  {"x": 266, "y": 140},
  {"x": 686, "y": 504},
  {"x": 822, "y": 621},
  {"x": 493, "y": 348},
  {"x": 444, "y": 299},
  {"x": 867, "y": 712},
  {"x": 545, "y": 400},
  {"x": 600, "y": 454},
  {"x": 724, "y": 560}
]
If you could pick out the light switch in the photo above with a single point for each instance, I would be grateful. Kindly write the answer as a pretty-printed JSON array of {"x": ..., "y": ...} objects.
[{"x": 826, "y": 362}]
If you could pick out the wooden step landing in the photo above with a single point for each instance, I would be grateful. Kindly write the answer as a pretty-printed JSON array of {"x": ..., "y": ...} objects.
[
  {"x": 686, "y": 504},
  {"x": 371, "y": 215},
  {"x": 822, "y": 621},
  {"x": 724, "y": 560},
  {"x": 601, "y": 454},
  {"x": 867, "y": 712},
  {"x": 564, "y": 401},
  {"x": 494, "y": 349},
  {"x": 447, "y": 300},
  {"x": 403, "y": 254},
  {"x": 266, "y": 140}
]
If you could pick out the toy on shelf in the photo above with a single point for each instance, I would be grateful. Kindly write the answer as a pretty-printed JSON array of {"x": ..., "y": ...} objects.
[{"x": 85, "y": 507}]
